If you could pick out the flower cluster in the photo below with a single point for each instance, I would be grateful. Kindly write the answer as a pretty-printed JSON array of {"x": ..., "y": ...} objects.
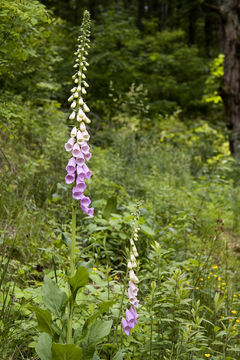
[
  {"x": 77, "y": 170},
  {"x": 131, "y": 315}
]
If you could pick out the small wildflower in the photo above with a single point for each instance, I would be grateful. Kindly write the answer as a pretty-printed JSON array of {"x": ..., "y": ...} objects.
[
  {"x": 198, "y": 254},
  {"x": 116, "y": 277},
  {"x": 237, "y": 321},
  {"x": 234, "y": 312},
  {"x": 187, "y": 269},
  {"x": 219, "y": 278},
  {"x": 224, "y": 284},
  {"x": 187, "y": 282},
  {"x": 94, "y": 269},
  {"x": 222, "y": 317},
  {"x": 201, "y": 279},
  {"x": 215, "y": 267},
  {"x": 207, "y": 355},
  {"x": 209, "y": 277},
  {"x": 197, "y": 288}
]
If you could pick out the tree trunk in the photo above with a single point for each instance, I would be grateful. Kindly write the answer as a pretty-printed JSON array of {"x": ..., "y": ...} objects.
[{"x": 231, "y": 81}]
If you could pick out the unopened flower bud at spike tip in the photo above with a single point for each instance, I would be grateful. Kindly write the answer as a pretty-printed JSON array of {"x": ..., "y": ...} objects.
[
  {"x": 81, "y": 114},
  {"x": 72, "y": 116},
  {"x": 80, "y": 101},
  {"x": 86, "y": 108},
  {"x": 73, "y": 105}
]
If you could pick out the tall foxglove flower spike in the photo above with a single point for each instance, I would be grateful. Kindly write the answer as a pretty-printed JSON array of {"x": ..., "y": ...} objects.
[
  {"x": 79, "y": 134},
  {"x": 131, "y": 315}
]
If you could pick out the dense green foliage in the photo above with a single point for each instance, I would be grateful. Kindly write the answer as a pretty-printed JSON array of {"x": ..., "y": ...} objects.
[{"x": 156, "y": 140}]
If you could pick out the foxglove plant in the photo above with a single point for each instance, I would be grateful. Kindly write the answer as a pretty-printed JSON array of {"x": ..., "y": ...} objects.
[
  {"x": 131, "y": 314},
  {"x": 77, "y": 170}
]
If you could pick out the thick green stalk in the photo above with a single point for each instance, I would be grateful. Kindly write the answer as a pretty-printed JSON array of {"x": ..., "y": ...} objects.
[{"x": 72, "y": 273}]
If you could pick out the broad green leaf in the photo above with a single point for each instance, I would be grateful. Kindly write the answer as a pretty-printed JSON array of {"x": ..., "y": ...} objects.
[
  {"x": 80, "y": 279},
  {"x": 104, "y": 307},
  {"x": 66, "y": 352},
  {"x": 54, "y": 298},
  {"x": 118, "y": 356},
  {"x": 147, "y": 230},
  {"x": 44, "y": 319},
  {"x": 99, "y": 330},
  {"x": 43, "y": 347}
]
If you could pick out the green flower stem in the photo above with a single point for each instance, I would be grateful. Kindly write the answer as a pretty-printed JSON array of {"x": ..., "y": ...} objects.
[
  {"x": 72, "y": 273},
  {"x": 72, "y": 253}
]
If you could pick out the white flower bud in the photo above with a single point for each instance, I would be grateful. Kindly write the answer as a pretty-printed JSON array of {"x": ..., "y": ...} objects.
[
  {"x": 129, "y": 265},
  {"x": 74, "y": 76},
  {"x": 133, "y": 258},
  {"x": 79, "y": 88},
  {"x": 135, "y": 253},
  {"x": 86, "y": 63},
  {"x": 72, "y": 116},
  {"x": 80, "y": 101},
  {"x": 79, "y": 73},
  {"x": 86, "y": 53},
  {"x": 73, "y": 90},
  {"x": 78, "y": 118},
  {"x": 84, "y": 91},
  {"x": 82, "y": 126},
  {"x": 75, "y": 66},
  {"x": 76, "y": 52},
  {"x": 83, "y": 76},
  {"x": 75, "y": 94},
  {"x": 74, "y": 132},
  {"x": 84, "y": 68},
  {"x": 86, "y": 108},
  {"x": 87, "y": 120},
  {"x": 76, "y": 81},
  {"x": 70, "y": 98},
  {"x": 73, "y": 105},
  {"x": 132, "y": 242},
  {"x": 81, "y": 114},
  {"x": 85, "y": 84},
  {"x": 84, "y": 58},
  {"x": 82, "y": 64},
  {"x": 134, "y": 264}
]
